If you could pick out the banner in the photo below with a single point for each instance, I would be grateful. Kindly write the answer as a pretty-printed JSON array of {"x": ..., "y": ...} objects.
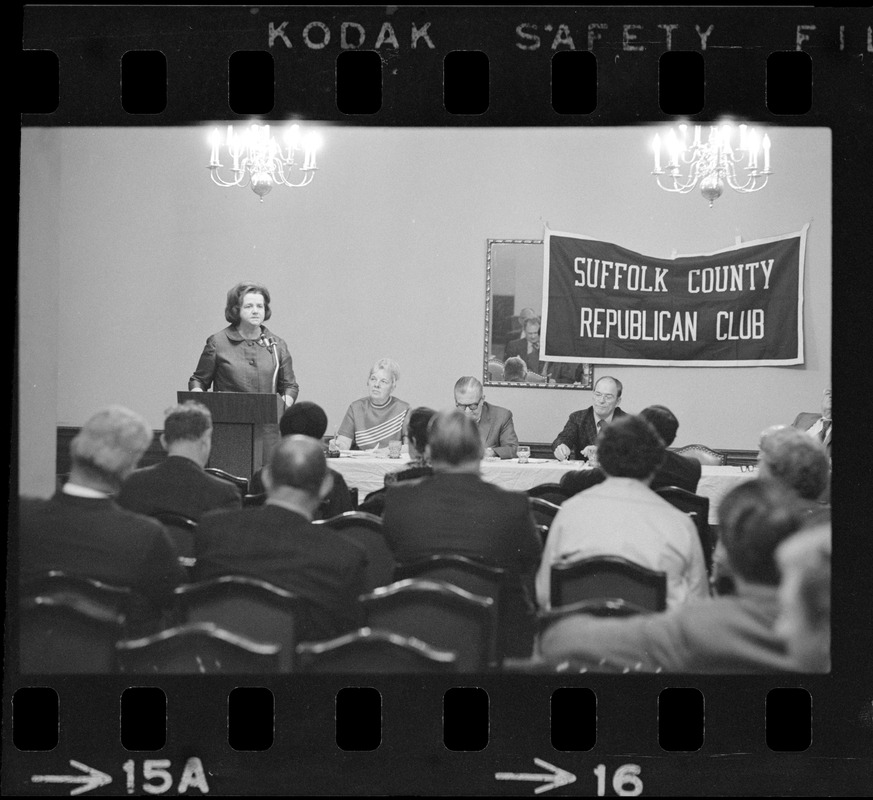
[{"x": 741, "y": 306}]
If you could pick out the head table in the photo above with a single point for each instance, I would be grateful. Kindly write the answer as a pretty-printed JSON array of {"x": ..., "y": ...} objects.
[{"x": 367, "y": 474}]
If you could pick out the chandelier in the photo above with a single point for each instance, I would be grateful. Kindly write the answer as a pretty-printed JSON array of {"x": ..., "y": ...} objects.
[
  {"x": 712, "y": 162},
  {"x": 260, "y": 161}
]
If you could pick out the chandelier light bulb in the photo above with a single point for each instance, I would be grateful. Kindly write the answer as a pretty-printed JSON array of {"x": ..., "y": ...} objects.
[
  {"x": 259, "y": 160},
  {"x": 710, "y": 161}
]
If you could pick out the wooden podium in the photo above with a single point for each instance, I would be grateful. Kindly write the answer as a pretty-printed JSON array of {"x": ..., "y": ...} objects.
[{"x": 238, "y": 428}]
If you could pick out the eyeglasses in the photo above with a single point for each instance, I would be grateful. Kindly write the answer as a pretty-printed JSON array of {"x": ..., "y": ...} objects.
[
  {"x": 600, "y": 396},
  {"x": 468, "y": 406},
  {"x": 748, "y": 467}
]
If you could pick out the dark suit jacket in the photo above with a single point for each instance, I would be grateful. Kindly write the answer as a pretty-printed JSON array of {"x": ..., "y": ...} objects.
[
  {"x": 497, "y": 430},
  {"x": 461, "y": 514},
  {"x": 177, "y": 485},
  {"x": 675, "y": 470},
  {"x": 284, "y": 548},
  {"x": 805, "y": 420},
  {"x": 337, "y": 502},
  {"x": 518, "y": 347},
  {"x": 95, "y": 538},
  {"x": 581, "y": 430}
]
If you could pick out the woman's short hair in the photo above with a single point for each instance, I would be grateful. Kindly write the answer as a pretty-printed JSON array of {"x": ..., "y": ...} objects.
[
  {"x": 629, "y": 448},
  {"x": 755, "y": 517},
  {"x": 389, "y": 365},
  {"x": 236, "y": 295},
  {"x": 418, "y": 422},
  {"x": 111, "y": 443},
  {"x": 305, "y": 418}
]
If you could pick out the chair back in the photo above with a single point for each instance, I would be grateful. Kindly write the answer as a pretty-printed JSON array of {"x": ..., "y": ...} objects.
[
  {"x": 552, "y": 492},
  {"x": 60, "y": 584},
  {"x": 181, "y": 529},
  {"x": 475, "y": 577},
  {"x": 438, "y": 614},
  {"x": 608, "y": 577},
  {"x": 373, "y": 651},
  {"x": 67, "y": 634},
  {"x": 366, "y": 530},
  {"x": 495, "y": 371},
  {"x": 197, "y": 648},
  {"x": 244, "y": 606},
  {"x": 241, "y": 483},
  {"x": 374, "y": 502},
  {"x": 697, "y": 507},
  {"x": 250, "y": 500},
  {"x": 543, "y": 511},
  {"x": 705, "y": 455},
  {"x": 599, "y": 607}
]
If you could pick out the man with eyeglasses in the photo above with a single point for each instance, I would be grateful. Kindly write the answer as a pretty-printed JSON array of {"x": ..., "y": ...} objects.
[
  {"x": 496, "y": 429},
  {"x": 579, "y": 434}
]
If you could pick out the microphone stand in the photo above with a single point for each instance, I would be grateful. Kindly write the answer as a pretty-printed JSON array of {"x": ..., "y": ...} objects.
[{"x": 270, "y": 344}]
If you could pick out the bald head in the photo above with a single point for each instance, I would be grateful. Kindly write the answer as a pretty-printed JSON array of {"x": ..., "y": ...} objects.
[{"x": 298, "y": 462}]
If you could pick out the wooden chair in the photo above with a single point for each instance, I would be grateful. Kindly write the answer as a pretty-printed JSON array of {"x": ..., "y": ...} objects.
[
  {"x": 241, "y": 483},
  {"x": 62, "y": 585},
  {"x": 374, "y": 502},
  {"x": 697, "y": 507},
  {"x": 551, "y": 492},
  {"x": 373, "y": 651},
  {"x": 244, "y": 606},
  {"x": 608, "y": 577},
  {"x": 366, "y": 530},
  {"x": 475, "y": 577},
  {"x": 182, "y": 531},
  {"x": 197, "y": 648},
  {"x": 543, "y": 511},
  {"x": 705, "y": 455},
  {"x": 438, "y": 614},
  {"x": 597, "y": 607},
  {"x": 67, "y": 634}
]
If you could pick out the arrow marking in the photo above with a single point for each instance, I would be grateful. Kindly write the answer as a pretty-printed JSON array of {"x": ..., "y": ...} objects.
[
  {"x": 90, "y": 780},
  {"x": 552, "y": 780}
]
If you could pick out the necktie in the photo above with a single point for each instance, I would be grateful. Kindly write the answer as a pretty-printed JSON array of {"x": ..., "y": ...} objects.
[
  {"x": 599, "y": 425},
  {"x": 825, "y": 427}
]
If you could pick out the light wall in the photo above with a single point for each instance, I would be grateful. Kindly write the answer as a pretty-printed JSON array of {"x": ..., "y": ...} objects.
[{"x": 127, "y": 252}]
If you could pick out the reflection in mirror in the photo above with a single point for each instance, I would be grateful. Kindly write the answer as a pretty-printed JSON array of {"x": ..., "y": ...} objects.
[{"x": 513, "y": 300}]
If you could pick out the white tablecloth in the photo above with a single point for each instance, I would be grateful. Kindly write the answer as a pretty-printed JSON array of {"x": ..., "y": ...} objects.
[{"x": 368, "y": 475}]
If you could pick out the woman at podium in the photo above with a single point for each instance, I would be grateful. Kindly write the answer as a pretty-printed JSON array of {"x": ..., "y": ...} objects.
[{"x": 246, "y": 356}]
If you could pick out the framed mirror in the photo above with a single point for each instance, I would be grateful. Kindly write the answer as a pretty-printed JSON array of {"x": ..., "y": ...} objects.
[{"x": 513, "y": 300}]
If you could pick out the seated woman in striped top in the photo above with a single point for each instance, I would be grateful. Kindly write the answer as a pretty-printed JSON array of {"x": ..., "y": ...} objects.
[{"x": 374, "y": 420}]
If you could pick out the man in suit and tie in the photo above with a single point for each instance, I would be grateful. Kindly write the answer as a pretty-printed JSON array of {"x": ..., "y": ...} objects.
[
  {"x": 278, "y": 543},
  {"x": 83, "y": 532},
  {"x": 179, "y": 484},
  {"x": 494, "y": 423},
  {"x": 818, "y": 425},
  {"x": 674, "y": 470},
  {"x": 579, "y": 434},
  {"x": 528, "y": 348},
  {"x": 456, "y": 512}
]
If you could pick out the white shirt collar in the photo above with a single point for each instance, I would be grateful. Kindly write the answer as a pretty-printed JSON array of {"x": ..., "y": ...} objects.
[{"x": 75, "y": 490}]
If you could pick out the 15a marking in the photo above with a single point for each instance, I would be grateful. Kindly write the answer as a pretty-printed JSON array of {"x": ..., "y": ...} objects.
[
  {"x": 626, "y": 780},
  {"x": 157, "y": 778}
]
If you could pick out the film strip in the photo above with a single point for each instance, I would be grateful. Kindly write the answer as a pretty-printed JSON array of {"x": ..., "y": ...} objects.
[{"x": 487, "y": 734}]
